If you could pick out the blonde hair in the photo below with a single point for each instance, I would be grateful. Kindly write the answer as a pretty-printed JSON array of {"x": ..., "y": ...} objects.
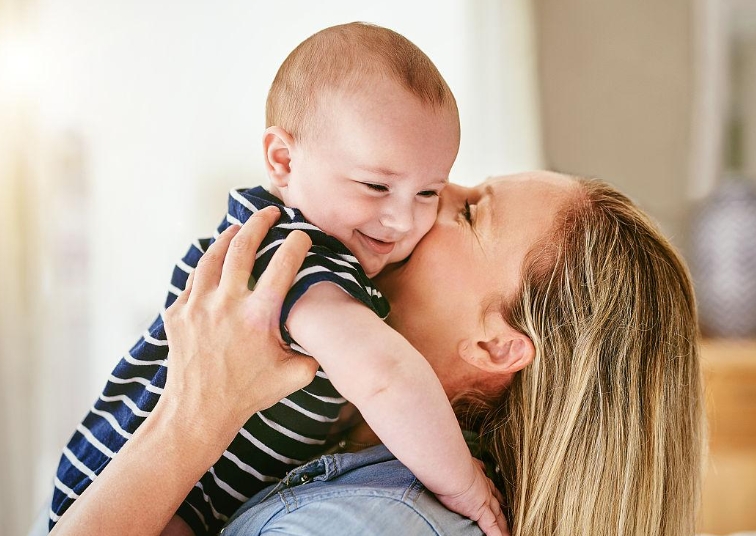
[
  {"x": 345, "y": 57},
  {"x": 603, "y": 433}
]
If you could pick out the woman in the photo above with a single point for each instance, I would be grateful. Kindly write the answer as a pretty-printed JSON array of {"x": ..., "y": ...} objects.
[
  {"x": 607, "y": 419},
  {"x": 560, "y": 279}
]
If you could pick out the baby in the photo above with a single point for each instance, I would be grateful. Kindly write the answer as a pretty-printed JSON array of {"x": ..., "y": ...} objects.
[{"x": 362, "y": 132}]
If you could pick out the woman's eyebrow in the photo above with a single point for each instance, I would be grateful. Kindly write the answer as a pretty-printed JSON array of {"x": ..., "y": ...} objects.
[{"x": 489, "y": 214}]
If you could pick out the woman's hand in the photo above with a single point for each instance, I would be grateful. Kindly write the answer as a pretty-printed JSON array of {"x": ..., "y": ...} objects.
[
  {"x": 226, "y": 362},
  {"x": 227, "y": 359}
]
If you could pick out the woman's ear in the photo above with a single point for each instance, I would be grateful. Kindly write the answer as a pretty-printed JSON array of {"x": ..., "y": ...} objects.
[
  {"x": 499, "y": 348},
  {"x": 277, "y": 147}
]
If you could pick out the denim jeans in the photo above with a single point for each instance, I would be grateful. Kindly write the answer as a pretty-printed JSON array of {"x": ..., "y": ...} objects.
[{"x": 367, "y": 493}]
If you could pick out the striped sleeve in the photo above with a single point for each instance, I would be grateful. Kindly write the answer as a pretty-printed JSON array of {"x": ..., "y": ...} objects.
[{"x": 328, "y": 259}]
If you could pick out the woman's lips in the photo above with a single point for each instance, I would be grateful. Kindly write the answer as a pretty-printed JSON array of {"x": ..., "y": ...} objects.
[{"x": 377, "y": 246}]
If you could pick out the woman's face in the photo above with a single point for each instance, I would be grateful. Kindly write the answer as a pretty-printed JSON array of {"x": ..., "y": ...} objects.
[{"x": 468, "y": 262}]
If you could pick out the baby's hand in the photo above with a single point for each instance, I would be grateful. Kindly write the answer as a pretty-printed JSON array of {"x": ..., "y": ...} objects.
[{"x": 480, "y": 502}]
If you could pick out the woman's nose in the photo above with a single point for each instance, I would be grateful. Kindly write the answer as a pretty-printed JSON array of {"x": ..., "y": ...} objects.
[{"x": 453, "y": 195}]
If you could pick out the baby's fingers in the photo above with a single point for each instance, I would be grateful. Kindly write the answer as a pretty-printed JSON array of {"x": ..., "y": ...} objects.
[
  {"x": 495, "y": 491},
  {"x": 493, "y": 524},
  {"x": 501, "y": 521}
]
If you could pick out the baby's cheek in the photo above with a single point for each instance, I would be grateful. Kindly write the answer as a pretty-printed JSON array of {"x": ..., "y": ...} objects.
[
  {"x": 407, "y": 246},
  {"x": 424, "y": 229},
  {"x": 428, "y": 218}
]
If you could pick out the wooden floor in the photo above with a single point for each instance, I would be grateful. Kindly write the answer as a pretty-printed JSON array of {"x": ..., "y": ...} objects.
[{"x": 729, "y": 494}]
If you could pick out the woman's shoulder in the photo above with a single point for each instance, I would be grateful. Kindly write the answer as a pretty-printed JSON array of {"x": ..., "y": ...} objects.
[{"x": 367, "y": 492}]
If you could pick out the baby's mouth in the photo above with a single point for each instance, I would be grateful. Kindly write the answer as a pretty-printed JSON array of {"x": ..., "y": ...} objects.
[{"x": 377, "y": 246}]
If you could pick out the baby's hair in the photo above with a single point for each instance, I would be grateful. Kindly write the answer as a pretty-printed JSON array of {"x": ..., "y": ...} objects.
[{"x": 343, "y": 58}]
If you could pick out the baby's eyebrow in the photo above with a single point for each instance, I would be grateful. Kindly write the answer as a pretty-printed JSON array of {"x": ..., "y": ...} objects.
[
  {"x": 442, "y": 182},
  {"x": 380, "y": 170}
]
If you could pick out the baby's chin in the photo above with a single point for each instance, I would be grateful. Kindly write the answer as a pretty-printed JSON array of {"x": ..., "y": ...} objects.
[
  {"x": 372, "y": 266},
  {"x": 373, "y": 271}
]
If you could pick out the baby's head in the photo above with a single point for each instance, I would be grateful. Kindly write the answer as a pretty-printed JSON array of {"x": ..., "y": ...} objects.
[{"x": 362, "y": 132}]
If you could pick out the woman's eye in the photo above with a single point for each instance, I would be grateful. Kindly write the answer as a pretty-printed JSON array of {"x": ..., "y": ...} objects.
[
  {"x": 376, "y": 187},
  {"x": 428, "y": 193},
  {"x": 466, "y": 212}
]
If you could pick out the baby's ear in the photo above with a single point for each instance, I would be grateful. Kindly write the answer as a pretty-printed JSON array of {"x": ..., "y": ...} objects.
[
  {"x": 499, "y": 348},
  {"x": 277, "y": 145}
]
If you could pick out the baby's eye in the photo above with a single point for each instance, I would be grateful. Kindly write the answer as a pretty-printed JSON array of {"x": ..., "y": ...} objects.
[
  {"x": 428, "y": 193},
  {"x": 376, "y": 187}
]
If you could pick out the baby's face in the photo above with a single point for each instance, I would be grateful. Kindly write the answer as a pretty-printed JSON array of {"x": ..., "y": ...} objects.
[{"x": 371, "y": 174}]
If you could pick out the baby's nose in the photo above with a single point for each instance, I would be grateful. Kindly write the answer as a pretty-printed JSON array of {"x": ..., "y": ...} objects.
[{"x": 398, "y": 218}]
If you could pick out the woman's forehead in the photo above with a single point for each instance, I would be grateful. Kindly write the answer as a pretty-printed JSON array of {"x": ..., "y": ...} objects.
[
  {"x": 558, "y": 179},
  {"x": 518, "y": 211},
  {"x": 529, "y": 192}
]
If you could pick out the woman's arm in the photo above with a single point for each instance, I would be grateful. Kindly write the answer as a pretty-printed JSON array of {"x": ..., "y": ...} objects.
[{"x": 227, "y": 361}]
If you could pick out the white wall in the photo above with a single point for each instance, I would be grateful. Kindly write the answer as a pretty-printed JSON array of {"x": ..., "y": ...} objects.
[
  {"x": 616, "y": 86},
  {"x": 144, "y": 113},
  {"x": 17, "y": 435}
]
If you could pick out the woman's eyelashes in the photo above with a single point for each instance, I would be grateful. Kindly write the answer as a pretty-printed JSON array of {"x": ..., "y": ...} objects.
[
  {"x": 466, "y": 212},
  {"x": 470, "y": 213}
]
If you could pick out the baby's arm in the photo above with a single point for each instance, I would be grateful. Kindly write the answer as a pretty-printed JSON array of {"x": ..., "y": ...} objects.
[{"x": 399, "y": 396}]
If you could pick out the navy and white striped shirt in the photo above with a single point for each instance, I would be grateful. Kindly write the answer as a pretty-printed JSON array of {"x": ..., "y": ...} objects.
[{"x": 272, "y": 441}]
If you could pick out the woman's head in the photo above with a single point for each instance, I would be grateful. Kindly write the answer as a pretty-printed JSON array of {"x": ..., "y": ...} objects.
[
  {"x": 448, "y": 297},
  {"x": 602, "y": 432}
]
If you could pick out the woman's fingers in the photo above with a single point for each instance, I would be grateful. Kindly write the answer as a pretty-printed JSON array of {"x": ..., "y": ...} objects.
[
  {"x": 240, "y": 257},
  {"x": 184, "y": 296},
  {"x": 301, "y": 369},
  {"x": 292, "y": 373},
  {"x": 208, "y": 271},
  {"x": 278, "y": 277}
]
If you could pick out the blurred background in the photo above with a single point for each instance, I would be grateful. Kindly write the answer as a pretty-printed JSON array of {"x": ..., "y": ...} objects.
[{"x": 124, "y": 124}]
